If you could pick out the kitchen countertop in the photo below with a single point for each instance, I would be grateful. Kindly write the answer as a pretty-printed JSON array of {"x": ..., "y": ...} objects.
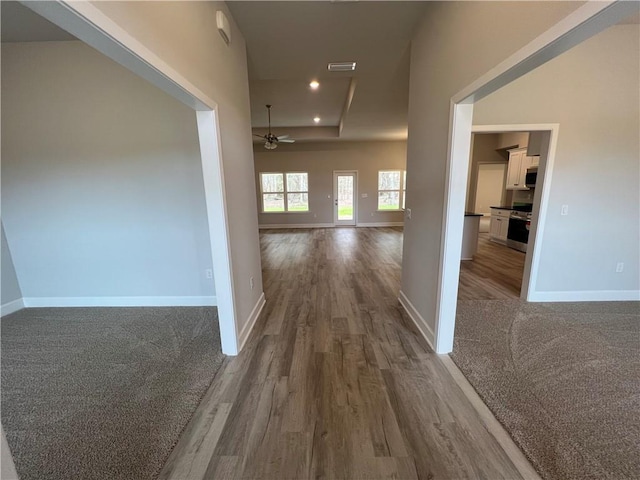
[
  {"x": 520, "y": 208},
  {"x": 471, "y": 214}
]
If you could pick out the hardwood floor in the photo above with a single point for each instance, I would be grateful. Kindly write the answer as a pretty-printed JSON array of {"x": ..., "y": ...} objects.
[
  {"x": 335, "y": 381},
  {"x": 494, "y": 273}
]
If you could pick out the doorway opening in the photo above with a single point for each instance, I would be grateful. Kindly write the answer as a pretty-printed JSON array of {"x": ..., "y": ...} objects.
[
  {"x": 585, "y": 22},
  {"x": 92, "y": 27},
  {"x": 499, "y": 210}
]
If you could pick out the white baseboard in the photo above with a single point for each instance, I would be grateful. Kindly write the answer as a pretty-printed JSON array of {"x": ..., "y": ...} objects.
[
  {"x": 295, "y": 225},
  {"x": 420, "y": 322},
  {"x": 31, "y": 302},
  {"x": 586, "y": 296},
  {"x": 381, "y": 224},
  {"x": 11, "y": 307},
  {"x": 267, "y": 226},
  {"x": 251, "y": 321}
]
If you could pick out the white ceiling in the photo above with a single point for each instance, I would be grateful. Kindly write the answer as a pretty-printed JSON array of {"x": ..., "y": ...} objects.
[{"x": 290, "y": 43}]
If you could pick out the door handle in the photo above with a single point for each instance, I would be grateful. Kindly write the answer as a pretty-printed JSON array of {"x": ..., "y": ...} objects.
[{"x": 336, "y": 202}]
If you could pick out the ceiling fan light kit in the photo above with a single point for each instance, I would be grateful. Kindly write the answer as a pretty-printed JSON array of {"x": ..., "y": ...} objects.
[
  {"x": 314, "y": 85},
  {"x": 270, "y": 140}
]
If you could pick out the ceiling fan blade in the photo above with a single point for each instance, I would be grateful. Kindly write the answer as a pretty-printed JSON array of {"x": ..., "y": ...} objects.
[
  {"x": 259, "y": 136},
  {"x": 280, "y": 137},
  {"x": 286, "y": 140}
]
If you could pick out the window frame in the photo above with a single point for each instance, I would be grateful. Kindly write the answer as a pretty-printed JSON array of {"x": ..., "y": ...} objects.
[
  {"x": 402, "y": 190},
  {"x": 285, "y": 192}
]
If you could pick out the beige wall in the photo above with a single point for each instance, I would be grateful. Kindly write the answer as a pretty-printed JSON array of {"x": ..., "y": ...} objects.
[
  {"x": 185, "y": 36},
  {"x": 454, "y": 45},
  {"x": 320, "y": 160},
  {"x": 483, "y": 150},
  {"x": 102, "y": 187},
  {"x": 593, "y": 92},
  {"x": 513, "y": 139}
]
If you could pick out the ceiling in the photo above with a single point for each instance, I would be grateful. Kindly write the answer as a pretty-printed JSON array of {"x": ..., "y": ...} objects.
[
  {"x": 290, "y": 43},
  {"x": 19, "y": 24}
]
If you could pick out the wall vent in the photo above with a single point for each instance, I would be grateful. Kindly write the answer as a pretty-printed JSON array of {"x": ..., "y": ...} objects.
[{"x": 341, "y": 66}]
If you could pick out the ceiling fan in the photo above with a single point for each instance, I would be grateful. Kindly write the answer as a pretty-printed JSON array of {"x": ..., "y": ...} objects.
[{"x": 270, "y": 140}]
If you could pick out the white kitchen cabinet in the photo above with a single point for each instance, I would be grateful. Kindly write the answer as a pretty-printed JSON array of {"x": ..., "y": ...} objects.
[
  {"x": 499, "y": 225},
  {"x": 517, "y": 171}
]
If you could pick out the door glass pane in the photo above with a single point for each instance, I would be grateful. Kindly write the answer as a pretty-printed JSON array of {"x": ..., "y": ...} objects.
[
  {"x": 298, "y": 202},
  {"x": 273, "y": 202},
  {"x": 388, "y": 200},
  {"x": 345, "y": 197}
]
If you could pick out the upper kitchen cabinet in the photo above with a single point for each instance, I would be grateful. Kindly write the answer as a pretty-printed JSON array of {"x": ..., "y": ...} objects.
[
  {"x": 517, "y": 171},
  {"x": 535, "y": 143}
]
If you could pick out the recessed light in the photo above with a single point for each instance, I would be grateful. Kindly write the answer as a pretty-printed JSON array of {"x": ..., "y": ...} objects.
[
  {"x": 316, "y": 119},
  {"x": 314, "y": 85}
]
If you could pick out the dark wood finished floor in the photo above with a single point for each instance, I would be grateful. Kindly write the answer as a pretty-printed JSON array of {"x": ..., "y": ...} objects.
[
  {"x": 335, "y": 382},
  {"x": 494, "y": 273}
]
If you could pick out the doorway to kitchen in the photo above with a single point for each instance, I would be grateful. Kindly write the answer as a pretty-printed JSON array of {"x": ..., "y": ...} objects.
[
  {"x": 501, "y": 190},
  {"x": 345, "y": 190}
]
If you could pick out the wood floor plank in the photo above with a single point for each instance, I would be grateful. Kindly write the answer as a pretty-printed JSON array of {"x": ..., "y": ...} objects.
[
  {"x": 335, "y": 382},
  {"x": 494, "y": 273}
]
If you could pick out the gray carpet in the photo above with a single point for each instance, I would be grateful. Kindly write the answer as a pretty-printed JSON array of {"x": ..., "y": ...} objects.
[
  {"x": 563, "y": 378},
  {"x": 96, "y": 393}
]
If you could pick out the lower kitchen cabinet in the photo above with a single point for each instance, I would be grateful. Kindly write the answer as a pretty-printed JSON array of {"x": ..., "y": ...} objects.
[{"x": 499, "y": 225}]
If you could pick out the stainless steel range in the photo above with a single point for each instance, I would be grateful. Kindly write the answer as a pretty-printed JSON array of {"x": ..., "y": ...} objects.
[{"x": 518, "y": 233}]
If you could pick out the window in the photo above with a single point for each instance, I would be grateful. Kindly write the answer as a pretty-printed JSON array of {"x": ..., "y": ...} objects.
[
  {"x": 285, "y": 192},
  {"x": 391, "y": 189},
  {"x": 404, "y": 187}
]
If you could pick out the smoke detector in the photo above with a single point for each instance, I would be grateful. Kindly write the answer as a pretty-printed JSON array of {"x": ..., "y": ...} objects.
[{"x": 341, "y": 66}]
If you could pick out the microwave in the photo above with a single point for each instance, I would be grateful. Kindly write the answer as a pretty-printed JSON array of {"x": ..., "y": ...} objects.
[{"x": 531, "y": 177}]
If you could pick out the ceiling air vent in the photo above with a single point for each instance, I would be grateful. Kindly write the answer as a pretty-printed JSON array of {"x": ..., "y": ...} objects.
[{"x": 341, "y": 66}]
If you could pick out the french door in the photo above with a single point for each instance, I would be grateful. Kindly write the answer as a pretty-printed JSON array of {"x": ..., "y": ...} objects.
[{"x": 345, "y": 191}]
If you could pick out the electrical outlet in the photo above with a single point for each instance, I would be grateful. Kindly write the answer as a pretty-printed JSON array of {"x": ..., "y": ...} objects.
[
  {"x": 372, "y": 214},
  {"x": 564, "y": 210},
  {"x": 251, "y": 282},
  {"x": 619, "y": 267},
  {"x": 208, "y": 273},
  {"x": 408, "y": 210}
]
